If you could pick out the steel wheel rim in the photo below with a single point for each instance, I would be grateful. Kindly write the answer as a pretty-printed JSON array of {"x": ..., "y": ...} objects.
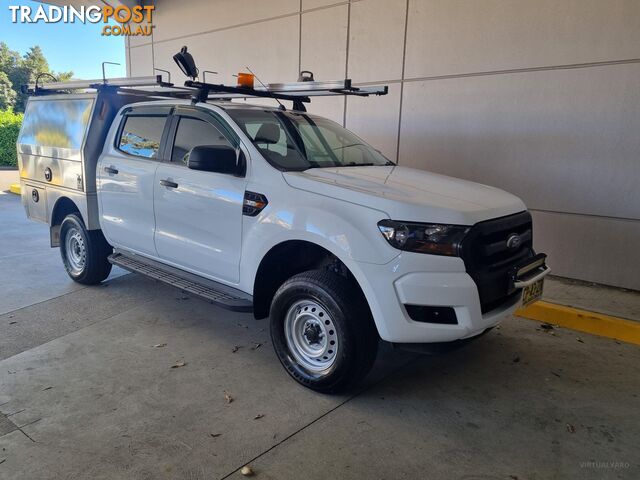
[
  {"x": 76, "y": 251},
  {"x": 311, "y": 335}
]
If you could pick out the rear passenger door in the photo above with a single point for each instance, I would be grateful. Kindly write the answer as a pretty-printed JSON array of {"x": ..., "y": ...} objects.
[
  {"x": 198, "y": 214},
  {"x": 126, "y": 179}
]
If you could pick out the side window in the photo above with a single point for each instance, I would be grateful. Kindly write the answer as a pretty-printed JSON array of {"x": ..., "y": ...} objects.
[
  {"x": 141, "y": 135},
  {"x": 193, "y": 132}
]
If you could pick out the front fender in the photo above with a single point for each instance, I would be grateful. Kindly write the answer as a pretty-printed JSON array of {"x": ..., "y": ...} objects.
[{"x": 346, "y": 230}]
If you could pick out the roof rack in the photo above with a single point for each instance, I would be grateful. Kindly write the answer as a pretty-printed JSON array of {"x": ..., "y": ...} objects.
[
  {"x": 298, "y": 92},
  {"x": 154, "y": 86},
  {"x": 61, "y": 87}
]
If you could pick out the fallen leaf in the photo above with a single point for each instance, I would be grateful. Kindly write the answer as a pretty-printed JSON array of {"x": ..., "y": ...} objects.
[
  {"x": 258, "y": 417},
  {"x": 228, "y": 397},
  {"x": 235, "y": 348},
  {"x": 159, "y": 345},
  {"x": 214, "y": 435},
  {"x": 256, "y": 346},
  {"x": 571, "y": 428},
  {"x": 546, "y": 326},
  {"x": 47, "y": 388},
  {"x": 579, "y": 340},
  {"x": 247, "y": 471},
  {"x": 179, "y": 364},
  {"x": 12, "y": 323}
]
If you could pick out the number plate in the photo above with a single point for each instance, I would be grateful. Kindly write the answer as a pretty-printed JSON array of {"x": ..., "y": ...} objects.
[{"x": 532, "y": 292}]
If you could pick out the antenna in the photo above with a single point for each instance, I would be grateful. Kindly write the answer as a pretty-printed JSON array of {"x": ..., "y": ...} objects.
[
  {"x": 204, "y": 75},
  {"x": 165, "y": 71},
  {"x": 267, "y": 89},
  {"x": 104, "y": 75},
  {"x": 44, "y": 74}
]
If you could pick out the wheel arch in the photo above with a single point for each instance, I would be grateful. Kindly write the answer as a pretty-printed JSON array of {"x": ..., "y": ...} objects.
[
  {"x": 289, "y": 258},
  {"x": 64, "y": 206}
]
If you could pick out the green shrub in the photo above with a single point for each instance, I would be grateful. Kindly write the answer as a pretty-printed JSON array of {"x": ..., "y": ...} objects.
[{"x": 9, "y": 127}]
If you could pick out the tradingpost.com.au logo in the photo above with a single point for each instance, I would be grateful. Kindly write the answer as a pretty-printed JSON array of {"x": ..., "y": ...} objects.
[{"x": 134, "y": 21}]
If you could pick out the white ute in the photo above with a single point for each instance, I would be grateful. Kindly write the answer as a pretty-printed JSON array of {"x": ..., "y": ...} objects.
[{"x": 274, "y": 211}]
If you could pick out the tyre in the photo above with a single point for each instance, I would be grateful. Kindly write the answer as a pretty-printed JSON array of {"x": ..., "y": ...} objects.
[
  {"x": 84, "y": 252},
  {"x": 322, "y": 331}
]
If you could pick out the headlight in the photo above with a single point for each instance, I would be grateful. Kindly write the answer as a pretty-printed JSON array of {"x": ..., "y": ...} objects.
[{"x": 433, "y": 238}]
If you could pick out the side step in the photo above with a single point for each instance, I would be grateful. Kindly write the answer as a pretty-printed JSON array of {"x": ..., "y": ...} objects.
[{"x": 216, "y": 293}]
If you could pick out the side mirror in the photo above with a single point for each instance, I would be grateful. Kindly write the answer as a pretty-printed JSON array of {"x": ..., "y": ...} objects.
[
  {"x": 216, "y": 158},
  {"x": 186, "y": 63}
]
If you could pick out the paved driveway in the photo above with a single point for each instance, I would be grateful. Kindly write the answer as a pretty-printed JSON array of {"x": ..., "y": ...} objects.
[{"x": 87, "y": 390}]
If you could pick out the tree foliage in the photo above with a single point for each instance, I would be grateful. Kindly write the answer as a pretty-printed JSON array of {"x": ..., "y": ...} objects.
[
  {"x": 18, "y": 70},
  {"x": 9, "y": 127},
  {"x": 7, "y": 93}
]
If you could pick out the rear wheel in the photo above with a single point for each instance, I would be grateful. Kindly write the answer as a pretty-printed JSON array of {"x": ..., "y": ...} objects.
[
  {"x": 84, "y": 252},
  {"x": 322, "y": 331}
]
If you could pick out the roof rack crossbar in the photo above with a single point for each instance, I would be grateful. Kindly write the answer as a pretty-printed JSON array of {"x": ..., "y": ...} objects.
[{"x": 206, "y": 89}]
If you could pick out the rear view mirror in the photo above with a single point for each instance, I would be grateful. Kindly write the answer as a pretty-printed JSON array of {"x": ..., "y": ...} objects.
[
  {"x": 216, "y": 158},
  {"x": 186, "y": 63}
]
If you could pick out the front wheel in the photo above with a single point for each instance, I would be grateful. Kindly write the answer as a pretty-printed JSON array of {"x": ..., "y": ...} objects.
[
  {"x": 322, "y": 331},
  {"x": 84, "y": 252}
]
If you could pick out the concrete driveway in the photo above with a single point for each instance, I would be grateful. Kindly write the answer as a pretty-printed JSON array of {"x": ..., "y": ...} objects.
[{"x": 87, "y": 390}]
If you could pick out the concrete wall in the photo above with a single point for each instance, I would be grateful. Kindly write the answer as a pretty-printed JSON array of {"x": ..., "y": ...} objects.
[{"x": 539, "y": 97}]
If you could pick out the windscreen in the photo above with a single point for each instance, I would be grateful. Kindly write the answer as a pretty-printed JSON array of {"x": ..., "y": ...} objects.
[{"x": 298, "y": 141}]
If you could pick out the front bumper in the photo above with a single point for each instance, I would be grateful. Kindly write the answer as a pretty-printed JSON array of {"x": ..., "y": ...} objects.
[{"x": 419, "y": 279}]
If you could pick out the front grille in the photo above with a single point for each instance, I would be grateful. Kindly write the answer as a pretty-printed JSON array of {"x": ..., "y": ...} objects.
[{"x": 488, "y": 259}]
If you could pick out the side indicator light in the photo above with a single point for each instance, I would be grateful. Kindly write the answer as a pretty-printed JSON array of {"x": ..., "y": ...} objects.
[{"x": 253, "y": 203}]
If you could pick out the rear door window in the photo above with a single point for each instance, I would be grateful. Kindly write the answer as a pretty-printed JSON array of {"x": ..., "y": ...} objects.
[{"x": 141, "y": 135}]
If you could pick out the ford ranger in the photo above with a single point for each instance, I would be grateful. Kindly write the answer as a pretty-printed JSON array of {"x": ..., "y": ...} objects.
[{"x": 277, "y": 212}]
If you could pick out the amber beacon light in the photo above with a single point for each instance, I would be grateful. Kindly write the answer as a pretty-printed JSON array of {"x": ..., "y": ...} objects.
[{"x": 245, "y": 80}]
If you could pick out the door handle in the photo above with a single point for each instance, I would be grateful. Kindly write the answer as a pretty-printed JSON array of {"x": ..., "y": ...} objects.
[
  {"x": 111, "y": 170},
  {"x": 168, "y": 183}
]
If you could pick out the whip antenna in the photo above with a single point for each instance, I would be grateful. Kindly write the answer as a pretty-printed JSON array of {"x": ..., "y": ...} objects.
[{"x": 265, "y": 87}]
